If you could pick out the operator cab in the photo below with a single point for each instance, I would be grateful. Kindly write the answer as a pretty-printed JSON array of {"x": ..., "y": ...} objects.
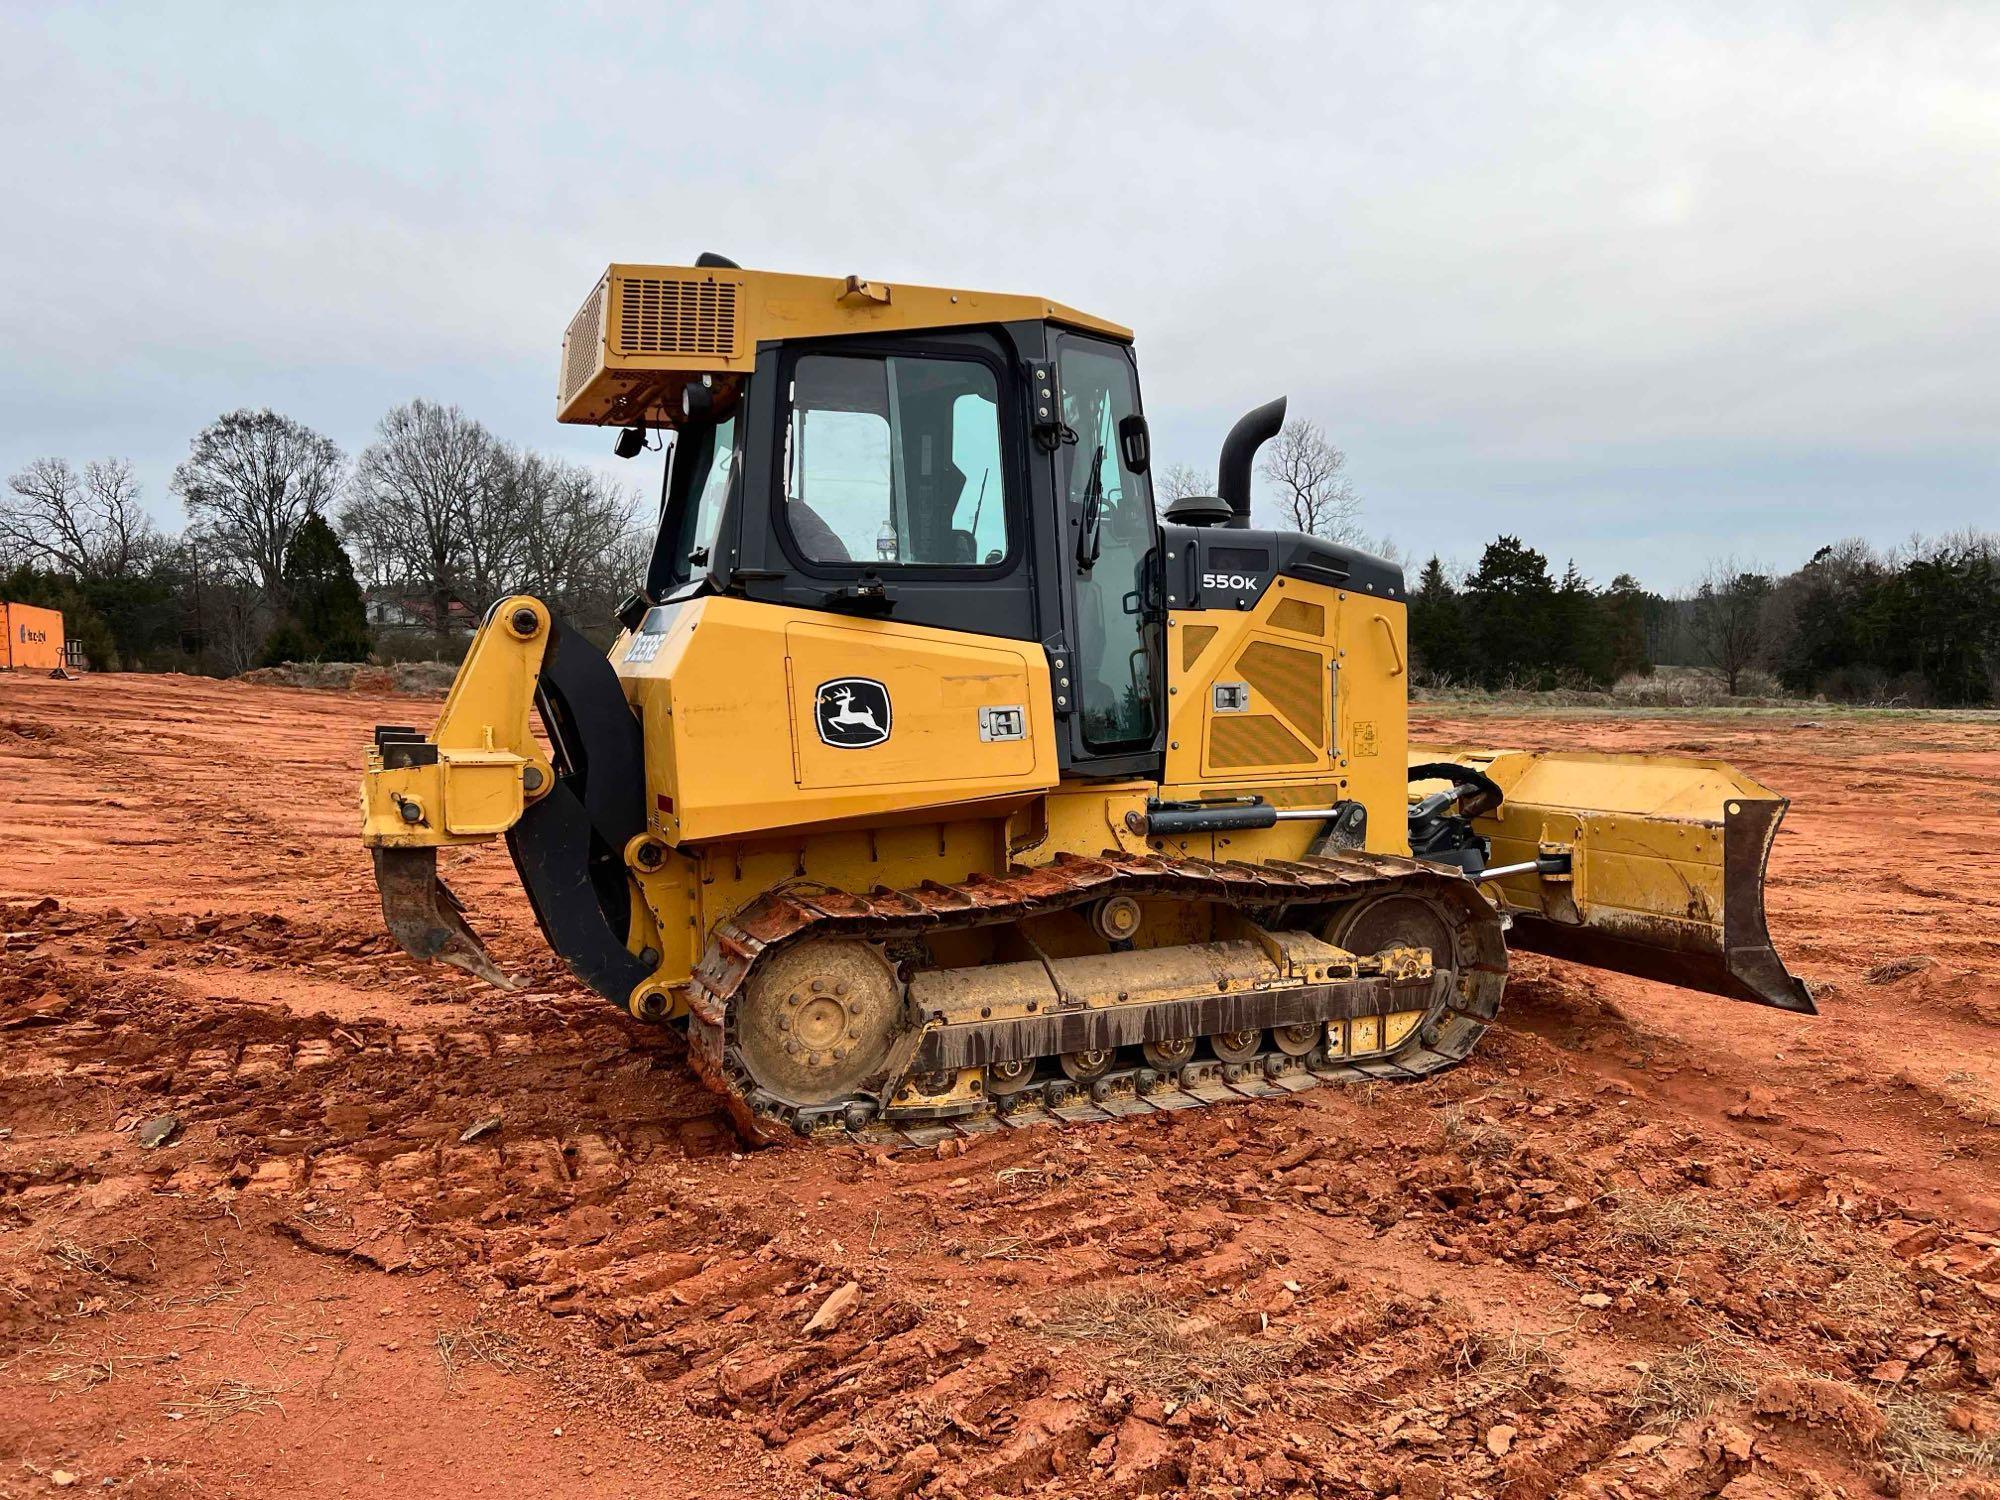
[{"x": 991, "y": 480}]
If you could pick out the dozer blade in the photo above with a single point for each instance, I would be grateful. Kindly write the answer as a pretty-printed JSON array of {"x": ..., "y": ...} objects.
[
  {"x": 1666, "y": 867},
  {"x": 425, "y": 918}
]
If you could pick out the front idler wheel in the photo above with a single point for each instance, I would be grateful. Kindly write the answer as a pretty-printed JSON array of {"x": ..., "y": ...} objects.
[{"x": 1397, "y": 920}]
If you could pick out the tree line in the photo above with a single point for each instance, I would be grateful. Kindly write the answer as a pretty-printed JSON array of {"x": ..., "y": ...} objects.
[
  {"x": 286, "y": 541},
  {"x": 1916, "y": 625}
]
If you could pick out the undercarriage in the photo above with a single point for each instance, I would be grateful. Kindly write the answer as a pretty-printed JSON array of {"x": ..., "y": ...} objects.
[{"x": 1015, "y": 999}]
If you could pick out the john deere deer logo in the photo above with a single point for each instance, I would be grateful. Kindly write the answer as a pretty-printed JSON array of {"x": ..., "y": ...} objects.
[{"x": 852, "y": 712}]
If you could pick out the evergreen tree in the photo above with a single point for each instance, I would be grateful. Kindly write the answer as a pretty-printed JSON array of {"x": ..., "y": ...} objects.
[
  {"x": 1829, "y": 619},
  {"x": 325, "y": 618},
  {"x": 1578, "y": 647},
  {"x": 1937, "y": 619},
  {"x": 1440, "y": 644},
  {"x": 1511, "y": 602},
  {"x": 1622, "y": 611}
]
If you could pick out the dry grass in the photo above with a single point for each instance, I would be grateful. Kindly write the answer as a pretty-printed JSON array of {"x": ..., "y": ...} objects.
[
  {"x": 1686, "y": 1383},
  {"x": 1898, "y": 968},
  {"x": 1917, "y": 1438},
  {"x": 1048, "y": 1174},
  {"x": 72, "y": 1369},
  {"x": 1496, "y": 1371},
  {"x": 222, "y": 1399},
  {"x": 1160, "y": 1345},
  {"x": 459, "y": 1348},
  {"x": 1873, "y": 1287},
  {"x": 98, "y": 1262},
  {"x": 1677, "y": 1225},
  {"x": 1475, "y": 1138},
  {"x": 1868, "y": 1281},
  {"x": 1921, "y": 1440},
  {"x": 1007, "y": 1247}
]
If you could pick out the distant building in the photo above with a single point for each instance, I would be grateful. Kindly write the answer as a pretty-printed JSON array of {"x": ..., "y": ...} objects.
[{"x": 403, "y": 609}]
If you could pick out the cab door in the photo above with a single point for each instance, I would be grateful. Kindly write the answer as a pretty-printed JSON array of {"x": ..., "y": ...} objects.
[{"x": 1113, "y": 622}]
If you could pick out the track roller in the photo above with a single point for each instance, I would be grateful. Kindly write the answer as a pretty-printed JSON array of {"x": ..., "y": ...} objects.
[
  {"x": 1237, "y": 1046},
  {"x": 1085, "y": 1066},
  {"x": 1296, "y": 1041}
]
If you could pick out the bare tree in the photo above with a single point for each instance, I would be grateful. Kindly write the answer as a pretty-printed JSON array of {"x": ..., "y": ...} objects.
[
  {"x": 88, "y": 526},
  {"x": 1729, "y": 622},
  {"x": 426, "y": 507},
  {"x": 1179, "y": 482},
  {"x": 1312, "y": 487},
  {"x": 582, "y": 549},
  {"x": 251, "y": 480}
]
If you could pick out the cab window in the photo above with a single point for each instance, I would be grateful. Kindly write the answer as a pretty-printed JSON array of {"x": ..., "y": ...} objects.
[
  {"x": 700, "y": 470},
  {"x": 1114, "y": 645},
  {"x": 894, "y": 461}
]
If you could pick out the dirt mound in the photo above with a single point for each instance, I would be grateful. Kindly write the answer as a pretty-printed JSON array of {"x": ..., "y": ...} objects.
[
  {"x": 30, "y": 736},
  {"x": 419, "y": 678},
  {"x": 1923, "y": 982}
]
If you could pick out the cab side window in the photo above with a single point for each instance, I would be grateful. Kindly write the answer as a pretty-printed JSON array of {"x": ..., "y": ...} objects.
[{"x": 894, "y": 461}]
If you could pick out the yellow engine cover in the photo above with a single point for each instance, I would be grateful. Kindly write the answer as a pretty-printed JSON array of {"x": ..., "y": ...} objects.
[
  {"x": 1302, "y": 698},
  {"x": 874, "y": 718}
]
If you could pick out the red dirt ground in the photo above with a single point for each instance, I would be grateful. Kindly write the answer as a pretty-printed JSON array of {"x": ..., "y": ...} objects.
[{"x": 1644, "y": 1243}]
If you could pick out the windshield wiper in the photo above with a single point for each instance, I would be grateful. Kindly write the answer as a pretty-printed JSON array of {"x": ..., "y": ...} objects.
[{"x": 1088, "y": 542}]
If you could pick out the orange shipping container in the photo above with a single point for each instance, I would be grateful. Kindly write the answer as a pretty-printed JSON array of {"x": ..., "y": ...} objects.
[{"x": 34, "y": 637}]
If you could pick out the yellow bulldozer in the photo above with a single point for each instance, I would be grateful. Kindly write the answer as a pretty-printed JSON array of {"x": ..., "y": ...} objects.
[{"x": 935, "y": 783}]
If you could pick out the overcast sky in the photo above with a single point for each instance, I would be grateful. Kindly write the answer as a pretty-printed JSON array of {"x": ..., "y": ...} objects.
[{"x": 1645, "y": 285}]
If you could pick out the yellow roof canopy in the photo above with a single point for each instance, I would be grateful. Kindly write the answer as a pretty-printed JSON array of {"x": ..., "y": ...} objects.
[{"x": 644, "y": 331}]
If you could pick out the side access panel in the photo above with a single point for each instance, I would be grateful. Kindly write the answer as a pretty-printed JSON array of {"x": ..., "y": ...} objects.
[
  {"x": 904, "y": 710},
  {"x": 761, "y": 717},
  {"x": 1667, "y": 864}
]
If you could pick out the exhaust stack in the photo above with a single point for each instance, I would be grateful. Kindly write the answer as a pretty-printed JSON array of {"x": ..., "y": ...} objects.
[{"x": 1232, "y": 476}]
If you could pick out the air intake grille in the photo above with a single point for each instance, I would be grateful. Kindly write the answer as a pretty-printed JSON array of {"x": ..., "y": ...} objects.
[
  {"x": 1193, "y": 641},
  {"x": 1244, "y": 741},
  {"x": 583, "y": 345},
  {"x": 1296, "y": 614},
  {"x": 656, "y": 316},
  {"x": 1291, "y": 681}
]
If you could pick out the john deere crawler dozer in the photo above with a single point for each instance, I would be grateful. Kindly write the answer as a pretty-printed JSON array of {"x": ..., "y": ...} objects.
[{"x": 934, "y": 783}]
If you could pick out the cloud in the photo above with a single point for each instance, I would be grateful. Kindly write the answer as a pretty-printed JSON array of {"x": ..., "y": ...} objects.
[{"x": 1645, "y": 283}]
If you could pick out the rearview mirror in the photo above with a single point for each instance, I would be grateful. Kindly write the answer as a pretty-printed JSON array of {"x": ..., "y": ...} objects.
[{"x": 1135, "y": 444}]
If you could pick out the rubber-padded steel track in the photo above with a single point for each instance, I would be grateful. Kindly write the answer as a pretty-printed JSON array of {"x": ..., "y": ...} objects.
[{"x": 1279, "y": 893}]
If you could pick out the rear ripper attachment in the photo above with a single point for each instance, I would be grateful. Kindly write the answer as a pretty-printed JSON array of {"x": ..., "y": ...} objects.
[
  {"x": 567, "y": 811},
  {"x": 906, "y": 1009}
]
